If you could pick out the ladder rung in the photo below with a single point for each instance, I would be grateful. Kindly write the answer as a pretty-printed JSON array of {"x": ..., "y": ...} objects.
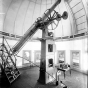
[
  {"x": 11, "y": 80},
  {"x": 7, "y": 72},
  {"x": 10, "y": 77},
  {"x": 16, "y": 73}
]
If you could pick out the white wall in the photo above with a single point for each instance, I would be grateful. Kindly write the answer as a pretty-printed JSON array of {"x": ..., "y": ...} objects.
[
  {"x": 29, "y": 46},
  {"x": 80, "y": 45}
]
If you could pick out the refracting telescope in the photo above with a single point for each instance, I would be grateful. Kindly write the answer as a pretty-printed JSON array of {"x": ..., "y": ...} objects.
[{"x": 50, "y": 17}]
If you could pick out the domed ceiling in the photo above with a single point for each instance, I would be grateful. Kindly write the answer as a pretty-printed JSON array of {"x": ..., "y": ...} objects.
[{"x": 18, "y": 15}]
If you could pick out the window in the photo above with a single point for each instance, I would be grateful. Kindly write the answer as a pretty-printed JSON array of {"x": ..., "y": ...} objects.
[
  {"x": 26, "y": 57},
  {"x": 61, "y": 56},
  {"x": 50, "y": 47},
  {"x": 75, "y": 59},
  {"x": 37, "y": 56}
]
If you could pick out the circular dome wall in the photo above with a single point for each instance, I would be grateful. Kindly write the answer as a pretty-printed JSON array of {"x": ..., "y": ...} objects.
[{"x": 21, "y": 14}]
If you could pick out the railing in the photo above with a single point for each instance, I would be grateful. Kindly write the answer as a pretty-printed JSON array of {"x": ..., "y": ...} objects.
[{"x": 9, "y": 50}]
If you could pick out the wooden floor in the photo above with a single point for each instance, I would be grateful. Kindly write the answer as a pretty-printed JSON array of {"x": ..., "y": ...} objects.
[{"x": 29, "y": 77}]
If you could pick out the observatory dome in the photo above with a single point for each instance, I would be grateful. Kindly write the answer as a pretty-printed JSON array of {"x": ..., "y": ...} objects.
[{"x": 18, "y": 15}]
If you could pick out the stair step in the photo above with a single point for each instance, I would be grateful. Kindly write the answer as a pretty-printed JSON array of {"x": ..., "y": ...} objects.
[
  {"x": 13, "y": 74},
  {"x": 9, "y": 75},
  {"x": 17, "y": 73},
  {"x": 11, "y": 79}
]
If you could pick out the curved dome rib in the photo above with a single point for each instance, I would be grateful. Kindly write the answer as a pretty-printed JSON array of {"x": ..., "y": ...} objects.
[
  {"x": 6, "y": 15},
  {"x": 16, "y": 16},
  {"x": 24, "y": 18}
]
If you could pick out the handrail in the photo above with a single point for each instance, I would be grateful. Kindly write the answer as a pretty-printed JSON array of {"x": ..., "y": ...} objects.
[{"x": 10, "y": 50}]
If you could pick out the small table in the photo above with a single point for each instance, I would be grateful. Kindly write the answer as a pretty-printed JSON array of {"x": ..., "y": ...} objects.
[{"x": 64, "y": 69}]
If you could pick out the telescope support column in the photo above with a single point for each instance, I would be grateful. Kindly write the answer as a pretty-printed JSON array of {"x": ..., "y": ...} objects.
[{"x": 47, "y": 66}]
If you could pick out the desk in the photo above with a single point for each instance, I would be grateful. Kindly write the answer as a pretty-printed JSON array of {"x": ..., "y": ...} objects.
[{"x": 64, "y": 70}]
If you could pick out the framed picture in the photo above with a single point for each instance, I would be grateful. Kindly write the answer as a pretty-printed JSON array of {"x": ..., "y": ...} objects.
[{"x": 50, "y": 47}]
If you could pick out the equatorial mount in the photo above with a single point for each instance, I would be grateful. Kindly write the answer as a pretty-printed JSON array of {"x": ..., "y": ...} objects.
[{"x": 52, "y": 20}]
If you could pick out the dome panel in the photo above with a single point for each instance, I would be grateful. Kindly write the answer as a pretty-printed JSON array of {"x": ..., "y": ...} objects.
[
  {"x": 66, "y": 27},
  {"x": 48, "y": 6},
  {"x": 74, "y": 2},
  {"x": 43, "y": 9},
  {"x": 38, "y": 1},
  {"x": 80, "y": 20},
  {"x": 1, "y": 22},
  {"x": 82, "y": 26},
  {"x": 44, "y": 2},
  {"x": 19, "y": 22},
  {"x": 9, "y": 19},
  {"x": 77, "y": 7},
  {"x": 6, "y": 4},
  {"x": 28, "y": 17},
  {"x": 58, "y": 31},
  {"x": 36, "y": 12},
  {"x": 49, "y": 2},
  {"x": 80, "y": 13}
]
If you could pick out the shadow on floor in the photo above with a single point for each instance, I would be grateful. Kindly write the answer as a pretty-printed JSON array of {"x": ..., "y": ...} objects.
[{"x": 29, "y": 77}]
